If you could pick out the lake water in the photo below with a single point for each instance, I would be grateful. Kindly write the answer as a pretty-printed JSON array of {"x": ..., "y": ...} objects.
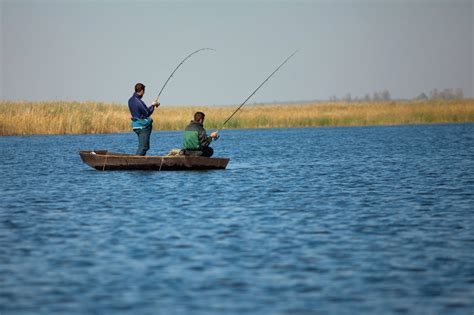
[{"x": 303, "y": 221}]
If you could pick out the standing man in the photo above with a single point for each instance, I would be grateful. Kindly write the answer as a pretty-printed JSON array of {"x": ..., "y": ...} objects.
[
  {"x": 142, "y": 123},
  {"x": 195, "y": 140}
]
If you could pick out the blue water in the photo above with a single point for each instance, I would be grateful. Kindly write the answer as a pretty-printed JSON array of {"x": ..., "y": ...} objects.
[{"x": 303, "y": 221}]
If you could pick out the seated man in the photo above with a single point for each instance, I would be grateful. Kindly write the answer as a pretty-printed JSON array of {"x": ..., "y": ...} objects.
[{"x": 195, "y": 140}]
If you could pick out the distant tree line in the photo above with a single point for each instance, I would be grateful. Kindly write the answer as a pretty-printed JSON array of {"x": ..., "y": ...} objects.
[
  {"x": 446, "y": 94},
  {"x": 384, "y": 96},
  {"x": 381, "y": 96}
]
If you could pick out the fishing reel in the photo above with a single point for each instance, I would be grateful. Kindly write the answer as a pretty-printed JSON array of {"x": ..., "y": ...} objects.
[{"x": 215, "y": 138}]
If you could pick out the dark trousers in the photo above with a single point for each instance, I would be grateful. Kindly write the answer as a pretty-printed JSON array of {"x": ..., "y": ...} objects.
[
  {"x": 206, "y": 152},
  {"x": 143, "y": 139}
]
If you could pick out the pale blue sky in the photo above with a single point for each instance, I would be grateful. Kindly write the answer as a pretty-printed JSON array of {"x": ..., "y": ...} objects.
[{"x": 98, "y": 50}]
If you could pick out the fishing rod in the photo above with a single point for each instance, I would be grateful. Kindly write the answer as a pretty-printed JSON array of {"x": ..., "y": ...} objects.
[
  {"x": 179, "y": 65},
  {"x": 241, "y": 105}
]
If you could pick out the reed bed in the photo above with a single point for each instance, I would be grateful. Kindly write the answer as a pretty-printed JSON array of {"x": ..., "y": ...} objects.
[{"x": 30, "y": 118}]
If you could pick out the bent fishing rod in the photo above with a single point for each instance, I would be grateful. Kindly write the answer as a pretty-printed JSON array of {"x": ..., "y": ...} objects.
[
  {"x": 241, "y": 105},
  {"x": 179, "y": 65}
]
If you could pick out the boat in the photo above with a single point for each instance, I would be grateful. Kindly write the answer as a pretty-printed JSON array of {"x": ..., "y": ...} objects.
[{"x": 104, "y": 160}]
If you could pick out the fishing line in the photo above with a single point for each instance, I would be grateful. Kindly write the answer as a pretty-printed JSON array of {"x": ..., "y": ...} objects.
[
  {"x": 179, "y": 65},
  {"x": 241, "y": 105}
]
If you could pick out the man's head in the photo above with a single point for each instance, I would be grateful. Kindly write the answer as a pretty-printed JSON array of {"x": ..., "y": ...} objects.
[
  {"x": 140, "y": 89},
  {"x": 199, "y": 117}
]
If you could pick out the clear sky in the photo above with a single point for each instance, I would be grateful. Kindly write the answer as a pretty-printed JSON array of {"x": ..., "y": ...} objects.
[{"x": 97, "y": 50}]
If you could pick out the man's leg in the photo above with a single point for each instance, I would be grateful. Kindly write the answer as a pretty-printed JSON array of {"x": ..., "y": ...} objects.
[
  {"x": 207, "y": 152},
  {"x": 143, "y": 140},
  {"x": 139, "y": 150}
]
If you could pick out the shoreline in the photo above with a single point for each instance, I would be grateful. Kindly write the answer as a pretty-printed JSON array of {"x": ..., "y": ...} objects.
[
  {"x": 85, "y": 118},
  {"x": 255, "y": 128}
]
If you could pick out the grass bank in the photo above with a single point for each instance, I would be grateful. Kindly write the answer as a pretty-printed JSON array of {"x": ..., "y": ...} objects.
[{"x": 29, "y": 118}]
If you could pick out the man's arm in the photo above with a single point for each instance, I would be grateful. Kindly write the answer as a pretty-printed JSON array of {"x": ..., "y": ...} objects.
[
  {"x": 152, "y": 107},
  {"x": 148, "y": 110},
  {"x": 204, "y": 139}
]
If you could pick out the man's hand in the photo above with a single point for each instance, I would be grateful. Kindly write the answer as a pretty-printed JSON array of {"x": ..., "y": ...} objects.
[
  {"x": 214, "y": 134},
  {"x": 155, "y": 102}
]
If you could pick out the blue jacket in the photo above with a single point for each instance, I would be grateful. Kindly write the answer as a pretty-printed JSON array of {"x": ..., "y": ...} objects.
[
  {"x": 140, "y": 112},
  {"x": 138, "y": 108}
]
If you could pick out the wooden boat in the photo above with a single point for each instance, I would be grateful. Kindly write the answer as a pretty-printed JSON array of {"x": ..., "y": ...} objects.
[{"x": 103, "y": 160}]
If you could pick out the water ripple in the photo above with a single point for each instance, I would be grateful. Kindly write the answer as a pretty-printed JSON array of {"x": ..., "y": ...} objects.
[{"x": 303, "y": 221}]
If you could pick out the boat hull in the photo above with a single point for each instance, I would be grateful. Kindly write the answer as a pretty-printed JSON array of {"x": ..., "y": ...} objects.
[{"x": 109, "y": 161}]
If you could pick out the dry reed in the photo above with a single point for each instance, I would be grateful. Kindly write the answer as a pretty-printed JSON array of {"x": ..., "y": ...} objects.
[{"x": 29, "y": 118}]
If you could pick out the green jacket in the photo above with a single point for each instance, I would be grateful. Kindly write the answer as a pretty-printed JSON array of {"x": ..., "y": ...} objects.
[{"x": 195, "y": 137}]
